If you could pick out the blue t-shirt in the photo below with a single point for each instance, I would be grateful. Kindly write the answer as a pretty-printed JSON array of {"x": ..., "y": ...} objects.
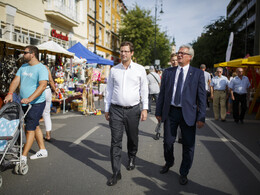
[{"x": 29, "y": 80}]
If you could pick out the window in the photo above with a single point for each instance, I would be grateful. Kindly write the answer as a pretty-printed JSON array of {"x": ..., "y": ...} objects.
[
  {"x": 108, "y": 12},
  {"x": 107, "y": 44},
  {"x": 118, "y": 8},
  {"x": 100, "y": 11},
  {"x": 91, "y": 7},
  {"x": 117, "y": 25},
  {"x": 113, "y": 22},
  {"x": 91, "y": 31},
  {"x": 100, "y": 36}
]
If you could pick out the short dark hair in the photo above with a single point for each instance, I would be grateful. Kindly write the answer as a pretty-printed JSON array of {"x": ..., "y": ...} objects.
[
  {"x": 173, "y": 55},
  {"x": 128, "y": 43},
  {"x": 33, "y": 49}
]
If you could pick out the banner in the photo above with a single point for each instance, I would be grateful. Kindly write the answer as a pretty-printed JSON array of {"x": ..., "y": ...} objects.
[{"x": 229, "y": 48}]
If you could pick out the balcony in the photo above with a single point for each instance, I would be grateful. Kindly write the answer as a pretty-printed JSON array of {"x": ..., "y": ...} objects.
[
  {"x": 23, "y": 36},
  {"x": 62, "y": 13}
]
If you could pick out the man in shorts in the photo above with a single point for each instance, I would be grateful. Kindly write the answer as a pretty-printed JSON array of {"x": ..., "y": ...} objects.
[{"x": 32, "y": 78}]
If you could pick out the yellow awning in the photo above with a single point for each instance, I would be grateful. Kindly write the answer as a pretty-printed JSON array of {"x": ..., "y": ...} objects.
[
  {"x": 254, "y": 58},
  {"x": 253, "y": 61}
]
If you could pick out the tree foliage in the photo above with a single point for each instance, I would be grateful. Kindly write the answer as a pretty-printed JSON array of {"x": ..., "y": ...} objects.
[
  {"x": 210, "y": 48},
  {"x": 138, "y": 28}
]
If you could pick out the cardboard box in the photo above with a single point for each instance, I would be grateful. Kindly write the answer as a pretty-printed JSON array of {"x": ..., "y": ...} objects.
[
  {"x": 80, "y": 105},
  {"x": 74, "y": 106}
]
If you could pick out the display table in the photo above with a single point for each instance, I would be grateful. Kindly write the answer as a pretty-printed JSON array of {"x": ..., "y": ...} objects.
[
  {"x": 66, "y": 100},
  {"x": 60, "y": 101}
]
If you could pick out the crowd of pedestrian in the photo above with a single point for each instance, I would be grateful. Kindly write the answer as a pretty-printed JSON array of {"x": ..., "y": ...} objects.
[{"x": 181, "y": 94}]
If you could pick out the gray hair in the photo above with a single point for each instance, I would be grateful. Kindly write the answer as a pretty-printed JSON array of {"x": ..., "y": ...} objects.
[
  {"x": 202, "y": 66},
  {"x": 219, "y": 68},
  {"x": 191, "y": 51}
]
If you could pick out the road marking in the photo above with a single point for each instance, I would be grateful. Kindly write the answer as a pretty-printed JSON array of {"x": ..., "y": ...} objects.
[
  {"x": 217, "y": 130},
  {"x": 256, "y": 158},
  {"x": 65, "y": 116},
  {"x": 84, "y": 136}
]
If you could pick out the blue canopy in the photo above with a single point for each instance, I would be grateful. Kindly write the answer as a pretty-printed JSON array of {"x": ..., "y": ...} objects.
[{"x": 82, "y": 52}]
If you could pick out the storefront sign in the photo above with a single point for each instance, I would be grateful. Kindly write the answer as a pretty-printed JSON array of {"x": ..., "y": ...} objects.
[{"x": 59, "y": 36}]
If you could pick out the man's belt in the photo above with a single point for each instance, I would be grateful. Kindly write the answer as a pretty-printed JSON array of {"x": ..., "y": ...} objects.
[
  {"x": 218, "y": 90},
  {"x": 124, "y": 107}
]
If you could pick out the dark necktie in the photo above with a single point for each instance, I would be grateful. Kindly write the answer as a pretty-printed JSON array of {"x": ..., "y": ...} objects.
[{"x": 177, "y": 98}]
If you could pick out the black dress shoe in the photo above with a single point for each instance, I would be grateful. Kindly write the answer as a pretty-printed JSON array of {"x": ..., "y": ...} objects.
[
  {"x": 183, "y": 180},
  {"x": 157, "y": 136},
  {"x": 113, "y": 180},
  {"x": 165, "y": 169},
  {"x": 131, "y": 164},
  {"x": 242, "y": 121}
]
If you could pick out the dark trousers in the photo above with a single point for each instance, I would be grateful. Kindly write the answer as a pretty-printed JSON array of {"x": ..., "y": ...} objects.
[
  {"x": 120, "y": 119},
  {"x": 151, "y": 96},
  {"x": 207, "y": 98},
  {"x": 242, "y": 99},
  {"x": 171, "y": 124}
]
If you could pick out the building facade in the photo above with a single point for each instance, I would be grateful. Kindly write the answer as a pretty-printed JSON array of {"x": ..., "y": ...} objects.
[
  {"x": 63, "y": 21},
  {"x": 108, "y": 19},
  {"x": 246, "y": 13}
]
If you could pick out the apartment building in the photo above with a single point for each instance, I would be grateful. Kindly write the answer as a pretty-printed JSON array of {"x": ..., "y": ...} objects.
[
  {"x": 246, "y": 13},
  {"x": 108, "y": 18},
  {"x": 63, "y": 21},
  {"x": 38, "y": 21}
]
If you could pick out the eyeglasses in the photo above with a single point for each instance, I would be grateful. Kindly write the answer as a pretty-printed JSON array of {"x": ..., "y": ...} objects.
[
  {"x": 182, "y": 53},
  {"x": 26, "y": 52},
  {"x": 125, "y": 51}
]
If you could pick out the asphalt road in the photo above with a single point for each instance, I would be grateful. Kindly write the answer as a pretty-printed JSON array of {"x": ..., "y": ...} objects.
[{"x": 226, "y": 161}]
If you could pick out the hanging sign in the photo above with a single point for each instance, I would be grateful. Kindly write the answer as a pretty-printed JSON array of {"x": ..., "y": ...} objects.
[{"x": 59, "y": 36}]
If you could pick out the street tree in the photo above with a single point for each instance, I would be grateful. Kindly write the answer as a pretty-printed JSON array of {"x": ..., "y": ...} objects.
[
  {"x": 210, "y": 48},
  {"x": 138, "y": 27}
]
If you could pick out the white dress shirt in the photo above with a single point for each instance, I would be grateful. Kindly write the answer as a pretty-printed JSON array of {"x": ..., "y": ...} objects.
[
  {"x": 185, "y": 71},
  {"x": 126, "y": 87},
  {"x": 240, "y": 86},
  {"x": 219, "y": 83}
]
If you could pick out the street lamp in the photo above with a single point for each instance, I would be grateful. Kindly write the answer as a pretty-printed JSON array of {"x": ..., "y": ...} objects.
[
  {"x": 161, "y": 12},
  {"x": 95, "y": 26}
]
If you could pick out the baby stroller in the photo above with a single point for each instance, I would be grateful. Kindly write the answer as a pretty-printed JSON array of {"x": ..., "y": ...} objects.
[{"x": 11, "y": 128}]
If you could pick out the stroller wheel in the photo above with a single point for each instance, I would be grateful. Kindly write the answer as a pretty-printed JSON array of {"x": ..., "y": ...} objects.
[
  {"x": 1, "y": 181},
  {"x": 24, "y": 169},
  {"x": 16, "y": 169}
]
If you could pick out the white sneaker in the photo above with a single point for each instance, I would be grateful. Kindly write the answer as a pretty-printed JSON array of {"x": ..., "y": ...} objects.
[
  {"x": 23, "y": 160},
  {"x": 39, "y": 154}
]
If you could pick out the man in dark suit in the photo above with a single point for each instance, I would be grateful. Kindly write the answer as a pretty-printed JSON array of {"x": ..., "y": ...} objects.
[{"x": 181, "y": 102}]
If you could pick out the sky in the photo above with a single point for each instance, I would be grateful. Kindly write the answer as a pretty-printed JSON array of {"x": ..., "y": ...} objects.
[{"x": 183, "y": 19}]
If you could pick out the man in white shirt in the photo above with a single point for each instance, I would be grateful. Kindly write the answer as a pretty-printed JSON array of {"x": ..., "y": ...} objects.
[
  {"x": 174, "y": 62},
  {"x": 218, "y": 86},
  {"x": 239, "y": 88},
  {"x": 126, "y": 87}
]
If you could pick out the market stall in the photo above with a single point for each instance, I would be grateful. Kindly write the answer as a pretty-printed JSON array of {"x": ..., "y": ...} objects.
[
  {"x": 252, "y": 70},
  {"x": 10, "y": 61}
]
